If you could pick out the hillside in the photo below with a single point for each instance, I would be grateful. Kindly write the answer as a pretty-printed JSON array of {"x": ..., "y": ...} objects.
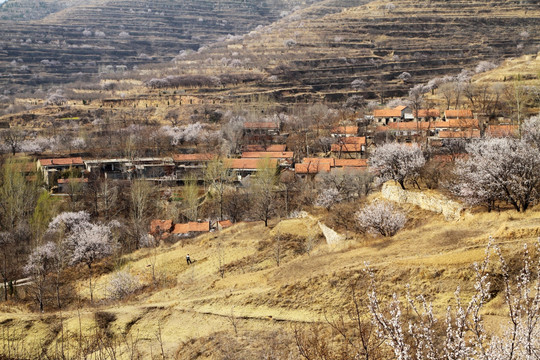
[
  {"x": 54, "y": 42},
  {"x": 318, "y": 58},
  {"x": 193, "y": 312}
]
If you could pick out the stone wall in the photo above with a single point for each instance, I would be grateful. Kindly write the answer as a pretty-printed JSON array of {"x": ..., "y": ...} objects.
[{"x": 451, "y": 210}]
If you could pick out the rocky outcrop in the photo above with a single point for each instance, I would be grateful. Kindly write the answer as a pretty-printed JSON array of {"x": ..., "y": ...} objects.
[
  {"x": 451, "y": 210},
  {"x": 332, "y": 237}
]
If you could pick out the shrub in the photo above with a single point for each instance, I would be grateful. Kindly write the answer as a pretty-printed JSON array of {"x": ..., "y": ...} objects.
[
  {"x": 381, "y": 217},
  {"x": 122, "y": 284}
]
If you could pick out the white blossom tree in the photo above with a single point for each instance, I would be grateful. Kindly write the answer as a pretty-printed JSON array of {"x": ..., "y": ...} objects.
[
  {"x": 398, "y": 162},
  {"x": 42, "y": 261},
  {"x": 90, "y": 244},
  {"x": 381, "y": 217},
  {"x": 500, "y": 169}
]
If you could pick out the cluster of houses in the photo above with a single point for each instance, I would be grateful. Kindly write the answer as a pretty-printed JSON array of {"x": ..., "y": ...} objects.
[{"x": 264, "y": 140}]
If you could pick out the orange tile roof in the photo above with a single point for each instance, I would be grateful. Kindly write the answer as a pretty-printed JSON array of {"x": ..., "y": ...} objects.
[
  {"x": 62, "y": 161},
  {"x": 502, "y": 130},
  {"x": 462, "y": 113},
  {"x": 75, "y": 180},
  {"x": 160, "y": 226},
  {"x": 191, "y": 227},
  {"x": 456, "y": 123},
  {"x": 410, "y": 125},
  {"x": 225, "y": 223},
  {"x": 193, "y": 157},
  {"x": 276, "y": 147},
  {"x": 468, "y": 134},
  {"x": 312, "y": 167},
  {"x": 422, "y": 113},
  {"x": 260, "y": 125},
  {"x": 354, "y": 140},
  {"x": 351, "y": 162},
  {"x": 347, "y": 130},
  {"x": 269, "y": 154},
  {"x": 395, "y": 112},
  {"x": 248, "y": 164},
  {"x": 346, "y": 147},
  {"x": 329, "y": 161}
]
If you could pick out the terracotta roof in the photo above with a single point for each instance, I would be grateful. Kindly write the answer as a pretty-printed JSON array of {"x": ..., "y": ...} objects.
[
  {"x": 502, "y": 130},
  {"x": 456, "y": 123},
  {"x": 268, "y": 154},
  {"x": 193, "y": 157},
  {"x": 463, "y": 113},
  {"x": 312, "y": 167},
  {"x": 157, "y": 226},
  {"x": 347, "y": 130},
  {"x": 353, "y": 140},
  {"x": 276, "y": 147},
  {"x": 400, "y": 107},
  {"x": 351, "y": 162},
  {"x": 329, "y": 161},
  {"x": 273, "y": 147},
  {"x": 249, "y": 164},
  {"x": 408, "y": 125},
  {"x": 62, "y": 161},
  {"x": 468, "y": 134},
  {"x": 225, "y": 223},
  {"x": 261, "y": 125},
  {"x": 395, "y": 112},
  {"x": 75, "y": 180},
  {"x": 339, "y": 147},
  {"x": 422, "y": 113},
  {"x": 191, "y": 227}
]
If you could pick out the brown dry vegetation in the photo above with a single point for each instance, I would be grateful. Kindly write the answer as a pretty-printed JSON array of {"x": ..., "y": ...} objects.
[{"x": 192, "y": 312}]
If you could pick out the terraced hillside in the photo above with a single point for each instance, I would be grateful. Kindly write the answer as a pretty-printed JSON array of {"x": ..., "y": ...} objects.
[
  {"x": 306, "y": 56},
  {"x": 50, "y": 42}
]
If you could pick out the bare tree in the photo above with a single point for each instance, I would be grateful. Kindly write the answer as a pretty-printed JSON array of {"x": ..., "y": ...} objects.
[
  {"x": 262, "y": 189},
  {"x": 41, "y": 262},
  {"x": 217, "y": 177}
]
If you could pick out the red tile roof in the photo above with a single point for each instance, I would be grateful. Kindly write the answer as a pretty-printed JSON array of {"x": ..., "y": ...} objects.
[
  {"x": 351, "y": 163},
  {"x": 354, "y": 140},
  {"x": 193, "y": 157},
  {"x": 62, "y": 161},
  {"x": 268, "y": 154},
  {"x": 467, "y": 134},
  {"x": 75, "y": 180},
  {"x": 502, "y": 130},
  {"x": 339, "y": 147},
  {"x": 345, "y": 130},
  {"x": 225, "y": 223},
  {"x": 463, "y": 113},
  {"x": 312, "y": 167},
  {"x": 422, "y": 113},
  {"x": 456, "y": 123},
  {"x": 409, "y": 125},
  {"x": 329, "y": 161},
  {"x": 191, "y": 227},
  {"x": 157, "y": 226}
]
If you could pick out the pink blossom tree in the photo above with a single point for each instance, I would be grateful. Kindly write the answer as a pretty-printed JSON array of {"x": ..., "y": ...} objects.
[
  {"x": 398, "y": 162},
  {"x": 381, "y": 217}
]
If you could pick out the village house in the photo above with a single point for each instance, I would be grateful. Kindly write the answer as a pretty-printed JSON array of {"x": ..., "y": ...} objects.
[
  {"x": 458, "y": 114},
  {"x": 427, "y": 115},
  {"x": 271, "y": 147},
  {"x": 245, "y": 167},
  {"x": 351, "y": 147},
  {"x": 191, "y": 228},
  {"x": 397, "y": 114},
  {"x": 284, "y": 158},
  {"x": 502, "y": 130},
  {"x": 191, "y": 165},
  {"x": 51, "y": 168},
  {"x": 69, "y": 185},
  {"x": 344, "y": 131},
  {"x": 261, "y": 128}
]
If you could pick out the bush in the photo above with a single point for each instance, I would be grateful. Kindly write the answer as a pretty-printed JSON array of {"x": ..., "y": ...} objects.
[
  {"x": 122, "y": 284},
  {"x": 381, "y": 217}
]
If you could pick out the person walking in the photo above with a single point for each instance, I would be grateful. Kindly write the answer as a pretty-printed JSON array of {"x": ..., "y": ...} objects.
[{"x": 188, "y": 259}]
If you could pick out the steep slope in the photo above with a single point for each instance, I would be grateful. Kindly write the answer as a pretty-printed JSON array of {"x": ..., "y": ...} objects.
[
  {"x": 320, "y": 57},
  {"x": 194, "y": 306},
  {"x": 70, "y": 39}
]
